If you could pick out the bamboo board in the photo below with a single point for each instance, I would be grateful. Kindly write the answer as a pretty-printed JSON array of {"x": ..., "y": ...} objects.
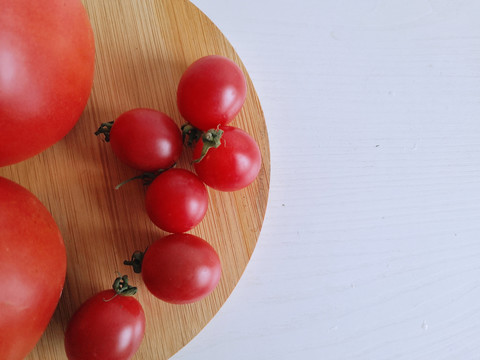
[{"x": 142, "y": 48}]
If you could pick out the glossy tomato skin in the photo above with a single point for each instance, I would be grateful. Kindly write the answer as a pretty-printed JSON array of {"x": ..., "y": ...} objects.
[
  {"x": 46, "y": 73},
  {"x": 211, "y": 92},
  {"x": 181, "y": 268},
  {"x": 233, "y": 165},
  {"x": 32, "y": 266},
  {"x": 105, "y": 327},
  {"x": 176, "y": 201},
  {"x": 146, "y": 139}
]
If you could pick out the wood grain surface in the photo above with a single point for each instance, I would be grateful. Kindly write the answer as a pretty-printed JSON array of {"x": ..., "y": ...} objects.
[{"x": 142, "y": 48}]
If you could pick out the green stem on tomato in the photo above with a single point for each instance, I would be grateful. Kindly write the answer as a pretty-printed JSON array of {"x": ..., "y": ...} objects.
[
  {"x": 146, "y": 177},
  {"x": 136, "y": 261},
  {"x": 210, "y": 139},
  {"x": 122, "y": 287},
  {"x": 191, "y": 135},
  {"x": 105, "y": 130}
]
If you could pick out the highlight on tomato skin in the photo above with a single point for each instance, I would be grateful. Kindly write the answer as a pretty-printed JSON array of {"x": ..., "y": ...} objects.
[
  {"x": 211, "y": 92},
  {"x": 231, "y": 166},
  {"x": 181, "y": 268}
]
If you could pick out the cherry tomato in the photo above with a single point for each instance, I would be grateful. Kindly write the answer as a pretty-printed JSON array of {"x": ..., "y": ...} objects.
[
  {"x": 211, "y": 92},
  {"x": 108, "y": 326},
  {"x": 32, "y": 265},
  {"x": 233, "y": 165},
  {"x": 176, "y": 200},
  {"x": 181, "y": 268},
  {"x": 46, "y": 73},
  {"x": 144, "y": 139}
]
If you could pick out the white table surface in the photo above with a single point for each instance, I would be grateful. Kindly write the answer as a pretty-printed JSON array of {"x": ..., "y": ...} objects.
[{"x": 371, "y": 243}]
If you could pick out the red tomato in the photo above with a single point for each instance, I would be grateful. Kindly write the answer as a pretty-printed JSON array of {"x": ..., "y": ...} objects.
[
  {"x": 145, "y": 139},
  {"x": 176, "y": 201},
  {"x": 46, "y": 73},
  {"x": 32, "y": 265},
  {"x": 181, "y": 268},
  {"x": 211, "y": 92},
  {"x": 231, "y": 166},
  {"x": 108, "y": 326}
]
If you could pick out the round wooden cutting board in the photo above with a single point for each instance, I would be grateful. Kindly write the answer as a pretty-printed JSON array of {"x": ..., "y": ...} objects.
[{"x": 142, "y": 49}]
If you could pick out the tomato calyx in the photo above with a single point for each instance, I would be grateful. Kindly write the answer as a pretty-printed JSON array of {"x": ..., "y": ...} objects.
[
  {"x": 136, "y": 261},
  {"x": 210, "y": 138},
  {"x": 146, "y": 177},
  {"x": 105, "y": 130},
  {"x": 122, "y": 287}
]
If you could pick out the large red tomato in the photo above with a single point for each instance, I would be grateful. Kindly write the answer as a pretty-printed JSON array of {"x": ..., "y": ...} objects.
[
  {"x": 46, "y": 73},
  {"x": 32, "y": 266}
]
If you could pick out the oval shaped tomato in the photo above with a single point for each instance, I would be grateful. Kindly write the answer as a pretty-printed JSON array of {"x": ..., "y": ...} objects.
[
  {"x": 108, "y": 326},
  {"x": 32, "y": 265},
  {"x": 233, "y": 165},
  {"x": 46, "y": 73},
  {"x": 176, "y": 201},
  {"x": 146, "y": 139},
  {"x": 211, "y": 92},
  {"x": 181, "y": 268}
]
